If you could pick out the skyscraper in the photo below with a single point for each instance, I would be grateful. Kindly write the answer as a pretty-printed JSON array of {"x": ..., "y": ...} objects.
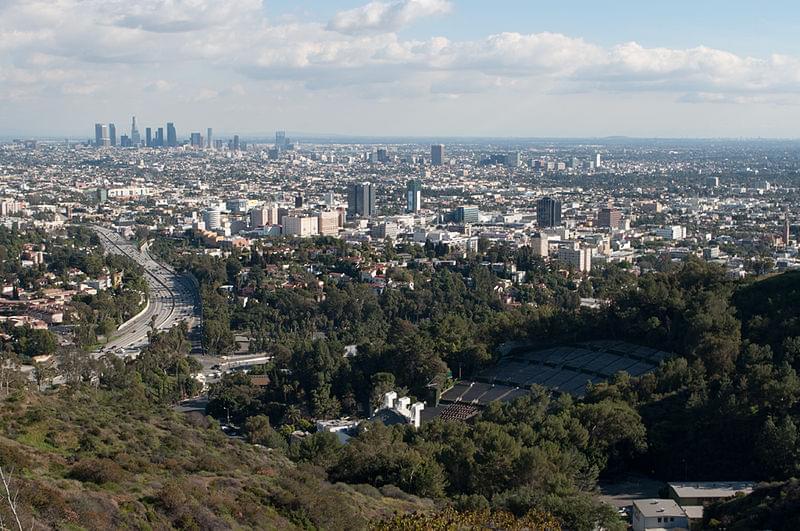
[
  {"x": 609, "y": 217},
  {"x": 209, "y": 142},
  {"x": 197, "y": 140},
  {"x": 112, "y": 134},
  {"x": 437, "y": 154},
  {"x": 98, "y": 135},
  {"x": 598, "y": 161},
  {"x": 786, "y": 229},
  {"x": 361, "y": 200},
  {"x": 160, "y": 137},
  {"x": 135, "y": 138},
  {"x": 172, "y": 135},
  {"x": 280, "y": 139},
  {"x": 148, "y": 136},
  {"x": 548, "y": 212},
  {"x": 413, "y": 196},
  {"x": 236, "y": 142}
]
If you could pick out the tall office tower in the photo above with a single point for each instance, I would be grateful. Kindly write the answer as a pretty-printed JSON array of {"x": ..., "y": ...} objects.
[
  {"x": 383, "y": 155},
  {"x": 209, "y": 142},
  {"x": 98, "y": 135},
  {"x": 786, "y": 229},
  {"x": 259, "y": 216},
  {"x": 212, "y": 218},
  {"x": 148, "y": 136},
  {"x": 413, "y": 196},
  {"x": 548, "y": 212},
  {"x": 112, "y": 134},
  {"x": 124, "y": 141},
  {"x": 467, "y": 214},
  {"x": 280, "y": 139},
  {"x": 598, "y": 161},
  {"x": 609, "y": 217},
  {"x": 328, "y": 223},
  {"x": 160, "y": 137},
  {"x": 236, "y": 142},
  {"x": 196, "y": 140},
  {"x": 361, "y": 200},
  {"x": 105, "y": 141},
  {"x": 172, "y": 135},
  {"x": 437, "y": 154},
  {"x": 135, "y": 138}
]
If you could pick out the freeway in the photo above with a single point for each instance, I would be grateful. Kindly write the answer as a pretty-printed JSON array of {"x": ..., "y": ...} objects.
[{"x": 173, "y": 298}]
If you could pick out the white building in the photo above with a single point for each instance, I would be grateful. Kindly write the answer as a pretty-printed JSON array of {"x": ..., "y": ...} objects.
[
  {"x": 658, "y": 514},
  {"x": 674, "y": 232},
  {"x": 540, "y": 245},
  {"x": 328, "y": 223},
  {"x": 302, "y": 226},
  {"x": 212, "y": 218},
  {"x": 395, "y": 410},
  {"x": 579, "y": 258}
]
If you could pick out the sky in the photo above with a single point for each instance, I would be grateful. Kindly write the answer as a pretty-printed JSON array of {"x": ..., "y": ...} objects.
[{"x": 426, "y": 68}]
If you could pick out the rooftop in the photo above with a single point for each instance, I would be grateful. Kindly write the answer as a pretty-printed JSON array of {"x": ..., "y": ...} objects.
[
  {"x": 654, "y": 507},
  {"x": 711, "y": 489}
]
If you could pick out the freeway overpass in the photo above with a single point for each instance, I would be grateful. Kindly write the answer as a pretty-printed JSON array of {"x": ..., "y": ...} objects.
[{"x": 173, "y": 298}]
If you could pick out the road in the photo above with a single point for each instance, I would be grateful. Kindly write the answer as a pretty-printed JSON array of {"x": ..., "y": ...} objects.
[{"x": 173, "y": 298}]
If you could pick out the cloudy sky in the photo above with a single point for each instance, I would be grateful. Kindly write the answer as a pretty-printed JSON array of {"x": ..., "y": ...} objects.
[{"x": 527, "y": 68}]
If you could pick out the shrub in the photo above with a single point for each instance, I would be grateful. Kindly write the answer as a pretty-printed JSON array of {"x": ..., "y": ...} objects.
[{"x": 99, "y": 471}]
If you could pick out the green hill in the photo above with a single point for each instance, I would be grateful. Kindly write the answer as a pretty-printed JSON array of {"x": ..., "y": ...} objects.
[{"x": 83, "y": 458}]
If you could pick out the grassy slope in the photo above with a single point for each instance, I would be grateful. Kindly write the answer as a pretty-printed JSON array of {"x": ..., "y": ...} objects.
[{"x": 86, "y": 459}]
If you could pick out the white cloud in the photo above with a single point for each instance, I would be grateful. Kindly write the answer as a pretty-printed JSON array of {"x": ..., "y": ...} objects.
[
  {"x": 222, "y": 49},
  {"x": 386, "y": 16}
]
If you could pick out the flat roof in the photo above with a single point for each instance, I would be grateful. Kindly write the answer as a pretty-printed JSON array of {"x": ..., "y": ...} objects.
[
  {"x": 653, "y": 507},
  {"x": 711, "y": 489}
]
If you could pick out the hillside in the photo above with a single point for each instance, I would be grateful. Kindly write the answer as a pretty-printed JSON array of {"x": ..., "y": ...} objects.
[
  {"x": 84, "y": 458},
  {"x": 771, "y": 506}
]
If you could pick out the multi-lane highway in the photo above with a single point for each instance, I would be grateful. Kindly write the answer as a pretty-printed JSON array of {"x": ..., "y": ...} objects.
[{"x": 173, "y": 298}]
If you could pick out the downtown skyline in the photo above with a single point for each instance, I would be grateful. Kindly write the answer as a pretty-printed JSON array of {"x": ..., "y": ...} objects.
[{"x": 406, "y": 68}]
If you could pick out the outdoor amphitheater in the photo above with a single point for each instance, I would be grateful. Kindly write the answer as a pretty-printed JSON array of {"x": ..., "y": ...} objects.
[{"x": 563, "y": 369}]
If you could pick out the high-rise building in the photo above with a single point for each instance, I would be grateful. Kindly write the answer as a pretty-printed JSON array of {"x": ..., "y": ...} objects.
[
  {"x": 172, "y": 135},
  {"x": 579, "y": 258},
  {"x": 212, "y": 218},
  {"x": 437, "y": 154},
  {"x": 598, "y": 161},
  {"x": 258, "y": 216},
  {"x": 112, "y": 134},
  {"x": 467, "y": 214},
  {"x": 98, "y": 135},
  {"x": 548, "y": 212},
  {"x": 209, "y": 142},
  {"x": 413, "y": 196},
  {"x": 280, "y": 140},
  {"x": 786, "y": 229},
  {"x": 196, "y": 140},
  {"x": 136, "y": 139},
  {"x": 148, "y": 136},
  {"x": 361, "y": 200},
  {"x": 160, "y": 137},
  {"x": 300, "y": 225},
  {"x": 540, "y": 245},
  {"x": 383, "y": 155},
  {"x": 609, "y": 217},
  {"x": 328, "y": 223},
  {"x": 236, "y": 142}
]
